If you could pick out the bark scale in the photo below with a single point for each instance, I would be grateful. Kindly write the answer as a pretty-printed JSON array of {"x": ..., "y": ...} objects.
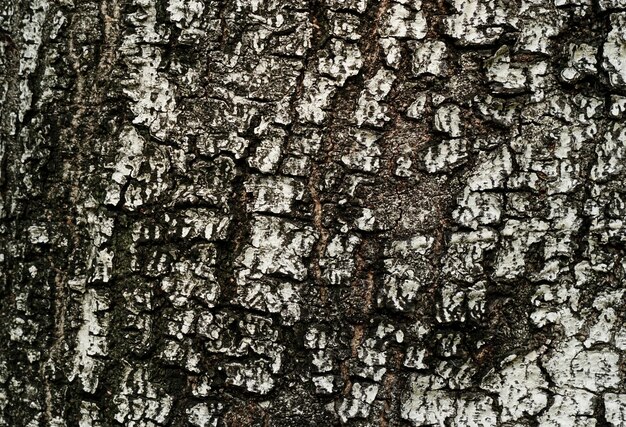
[{"x": 288, "y": 213}]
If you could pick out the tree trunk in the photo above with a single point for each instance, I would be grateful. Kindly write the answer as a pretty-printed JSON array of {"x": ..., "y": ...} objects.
[{"x": 312, "y": 213}]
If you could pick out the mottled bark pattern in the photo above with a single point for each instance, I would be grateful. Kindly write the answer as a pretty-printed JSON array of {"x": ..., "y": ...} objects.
[{"x": 312, "y": 213}]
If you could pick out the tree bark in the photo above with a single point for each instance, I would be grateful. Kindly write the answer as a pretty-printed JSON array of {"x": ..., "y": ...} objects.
[{"x": 312, "y": 212}]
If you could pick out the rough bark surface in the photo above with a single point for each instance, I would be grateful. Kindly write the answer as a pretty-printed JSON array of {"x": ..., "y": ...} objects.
[{"x": 312, "y": 212}]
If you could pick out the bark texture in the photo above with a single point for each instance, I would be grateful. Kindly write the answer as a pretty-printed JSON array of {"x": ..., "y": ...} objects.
[{"x": 312, "y": 212}]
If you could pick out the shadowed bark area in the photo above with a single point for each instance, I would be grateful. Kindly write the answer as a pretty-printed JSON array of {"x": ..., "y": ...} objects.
[{"x": 312, "y": 212}]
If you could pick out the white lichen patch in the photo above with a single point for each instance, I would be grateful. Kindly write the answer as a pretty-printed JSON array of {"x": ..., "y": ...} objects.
[
  {"x": 91, "y": 341},
  {"x": 277, "y": 246},
  {"x": 283, "y": 298},
  {"x": 620, "y": 338},
  {"x": 517, "y": 238},
  {"x": 415, "y": 245},
  {"x": 152, "y": 95},
  {"x": 268, "y": 153},
  {"x": 618, "y": 105},
  {"x": 296, "y": 166},
  {"x": 364, "y": 153},
  {"x": 353, "y": 5},
  {"x": 476, "y": 411},
  {"x": 184, "y": 12},
  {"x": 417, "y": 108},
  {"x": 612, "y": 4},
  {"x": 505, "y": 76},
  {"x": 538, "y": 22},
  {"x": 452, "y": 306},
  {"x": 316, "y": 98},
  {"x": 475, "y": 22},
  {"x": 345, "y": 26},
  {"x": 38, "y": 234},
  {"x": 369, "y": 108},
  {"x": 359, "y": 403},
  {"x": 403, "y": 166},
  {"x": 478, "y": 209},
  {"x": 32, "y": 28},
  {"x": 393, "y": 51},
  {"x": 610, "y": 152},
  {"x": 407, "y": 270},
  {"x": 371, "y": 360},
  {"x": 448, "y": 120},
  {"x": 186, "y": 15},
  {"x": 338, "y": 261},
  {"x": 273, "y": 194},
  {"x": 466, "y": 252},
  {"x": 414, "y": 358},
  {"x": 367, "y": 221},
  {"x": 614, "y": 51},
  {"x": 100, "y": 227},
  {"x": 446, "y": 155},
  {"x": 429, "y": 407},
  {"x": 149, "y": 89},
  {"x": 322, "y": 361},
  {"x": 520, "y": 386},
  {"x": 188, "y": 280},
  {"x": 571, "y": 408},
  {"x": 139, "y": 401},
  {"x": 128, "y": 160},
  {"x": 428, "y": 403},
  {"x": 497, "y": 110},
  {"x": 570, "y": 365},
  {"x": 429, "y": 58},
  {"x": 402, "y": 22},
  {"x": 323, "y": 384},
  {"x": 491, "y": 171},
  {"x": 89, "y": 415},
  {"x": 582, "y": 61},
  {"x": 199, "y": 222},
  {"x": 615, "y": 407},
  {"x": 254, "y": 377},
  {"x": 343, "y": 61},
  {"x": 102, "y": 265},
  {"x": 601, "y": 329},
  {"x": 366, "y": 159},
  {"x": 204, "y": 414}
]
